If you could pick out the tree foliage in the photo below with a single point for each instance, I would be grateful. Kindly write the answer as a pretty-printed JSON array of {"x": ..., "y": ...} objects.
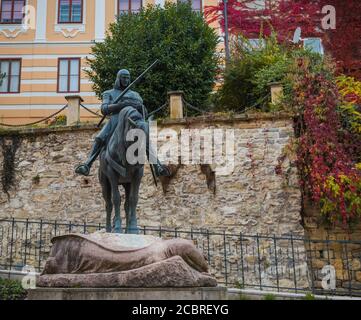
[
  {"x": 283, "y": 16},
  {"x": 2, "y": 76},
  {"x": 344, "y": 42},
  {"x": 180, "y": 38}
]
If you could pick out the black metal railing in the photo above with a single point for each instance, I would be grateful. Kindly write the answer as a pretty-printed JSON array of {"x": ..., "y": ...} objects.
[{"x": 264, "y": 262}]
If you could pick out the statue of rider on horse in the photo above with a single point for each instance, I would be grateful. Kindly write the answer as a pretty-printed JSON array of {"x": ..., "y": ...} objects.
[{"x": 126, "y": 110}]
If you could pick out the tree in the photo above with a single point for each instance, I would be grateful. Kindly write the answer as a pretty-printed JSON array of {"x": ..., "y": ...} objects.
[
  {"x": 344, "y": 42},
  {"x": 2, "y": 76},
  {"x": 283, "y": 16},
  {"x": 179, "y": 37}
]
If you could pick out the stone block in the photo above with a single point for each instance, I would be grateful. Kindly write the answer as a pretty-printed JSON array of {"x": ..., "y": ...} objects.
[
  {"x": 358, "y": 276},
  {"x": 355, "y": 264},
  {"x": 135, "y": 294}
]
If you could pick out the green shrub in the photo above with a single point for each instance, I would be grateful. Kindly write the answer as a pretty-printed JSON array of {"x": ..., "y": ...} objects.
[
  {"x": 11, "y": 290},
  {"x": 250, "y": 72},
  {"x": 179, "y": 37}
]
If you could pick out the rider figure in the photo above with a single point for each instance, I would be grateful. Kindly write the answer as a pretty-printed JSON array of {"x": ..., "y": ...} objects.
[{"x": 131, "y": 98}]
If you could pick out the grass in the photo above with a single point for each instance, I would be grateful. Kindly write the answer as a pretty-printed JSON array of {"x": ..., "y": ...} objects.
[
  {"x": 309, "y": 296},
  {"x": 269, "y": 296}
]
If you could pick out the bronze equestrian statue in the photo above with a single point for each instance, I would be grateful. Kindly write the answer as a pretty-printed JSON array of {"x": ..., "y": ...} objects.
[{"x": 111, "y": 144}]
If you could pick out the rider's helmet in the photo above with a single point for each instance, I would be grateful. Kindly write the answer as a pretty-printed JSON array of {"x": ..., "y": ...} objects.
[{"x": 123, "y": 79}]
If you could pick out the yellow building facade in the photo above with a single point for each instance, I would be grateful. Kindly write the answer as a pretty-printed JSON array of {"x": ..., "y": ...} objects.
[{"x": 43, "y": 49}]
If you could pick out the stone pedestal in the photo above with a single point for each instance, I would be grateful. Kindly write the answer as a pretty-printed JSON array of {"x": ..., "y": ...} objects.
[
  {"x": 176, "y": 104},
  {"x": 276, "y": 92},
  {"x": 106, "y": 260},
  {"x": 73, "y": 116},
  {"x": 216, "y": 293}
]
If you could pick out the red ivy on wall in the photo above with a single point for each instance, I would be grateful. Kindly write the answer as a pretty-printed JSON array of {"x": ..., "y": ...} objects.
[{"x": 326, "y": 163}]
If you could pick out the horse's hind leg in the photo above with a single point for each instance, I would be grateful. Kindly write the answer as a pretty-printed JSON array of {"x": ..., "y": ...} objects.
[
  {"x": 133, "y": 202},
  {"x": 116, "y": 204},
  {"x": 107, "y": 195},
  {"x": 126, "y": 205}
]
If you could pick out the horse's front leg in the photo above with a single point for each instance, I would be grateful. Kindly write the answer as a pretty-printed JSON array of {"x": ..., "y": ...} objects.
[
  {"x": 117, "y": 227},
  {"x": 107, "y": 195}
]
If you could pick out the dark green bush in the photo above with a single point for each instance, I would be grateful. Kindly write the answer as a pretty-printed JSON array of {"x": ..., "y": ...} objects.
[
  {"x": 11, "y": 290},
  {"x": 180, "y": 38}
]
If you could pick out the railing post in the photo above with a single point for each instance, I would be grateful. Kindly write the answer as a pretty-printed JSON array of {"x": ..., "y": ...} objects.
[
  {"x": 73, "y": 116},
  {"x": 225, "y": 256},
  {"x": 176, "y": 104},
  {"x": 12, "y": 243},
  {"x": 40, "y": 244}
]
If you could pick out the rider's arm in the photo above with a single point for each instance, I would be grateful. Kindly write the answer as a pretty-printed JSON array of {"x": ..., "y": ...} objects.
[
  {"x": 115, "y": 108},
  {"x": 107, "y": 100}
]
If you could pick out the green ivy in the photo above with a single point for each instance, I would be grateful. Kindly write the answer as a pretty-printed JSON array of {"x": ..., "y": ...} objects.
[{"x": 9, "y": 146}]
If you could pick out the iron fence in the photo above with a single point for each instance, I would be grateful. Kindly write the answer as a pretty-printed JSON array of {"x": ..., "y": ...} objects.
[{"x": 281, "y": 263}]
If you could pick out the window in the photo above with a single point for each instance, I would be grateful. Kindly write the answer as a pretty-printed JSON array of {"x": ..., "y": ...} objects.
[
  {"x": 251, "y": 44},
  {"x": 314, "y": 44},
  {"x": 11, "y": 11},
  {"x": 256, "y": 44},
  {"x": 68, "y": 74},
  {"x": 129, "y": 6},
  {"x": 70, "y": 11},
  {"x": 11, "y": 68},
  {"x": 257, "y": 4},
  {"x": 196, "y": 4}
]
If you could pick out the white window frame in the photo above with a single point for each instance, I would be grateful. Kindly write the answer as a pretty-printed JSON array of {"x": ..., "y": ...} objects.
[
  {"x": 70, "y": 30},
  {"x": 314, "y": 38}
]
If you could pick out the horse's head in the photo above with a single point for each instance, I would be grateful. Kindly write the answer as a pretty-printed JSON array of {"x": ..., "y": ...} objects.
[{"x": 132, "y": 132}]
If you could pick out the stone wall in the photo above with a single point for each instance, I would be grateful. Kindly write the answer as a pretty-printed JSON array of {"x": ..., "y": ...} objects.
[
  {"x": 252, "y": 199},
  {"x": 338, "y": 247}
]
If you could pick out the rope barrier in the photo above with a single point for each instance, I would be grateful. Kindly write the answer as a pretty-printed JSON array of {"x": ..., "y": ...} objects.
[
  {"x": 92, "y": 112},
  {"x": 33, "y": 123},
  {"x": 187, "y": 104},
  {"x": 156, "y": 110}
]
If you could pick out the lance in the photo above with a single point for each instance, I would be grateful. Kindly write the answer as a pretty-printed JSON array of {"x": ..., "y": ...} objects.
[{"x": 128, "y": 88}]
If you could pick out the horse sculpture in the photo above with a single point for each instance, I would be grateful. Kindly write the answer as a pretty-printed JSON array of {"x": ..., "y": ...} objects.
[{"x": 115, "y": 170}]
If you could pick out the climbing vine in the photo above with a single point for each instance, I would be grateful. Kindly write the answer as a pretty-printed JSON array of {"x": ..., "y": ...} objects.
[
  {"x": 9, "y": 146},
  {"x": 327, "y": 153}
]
